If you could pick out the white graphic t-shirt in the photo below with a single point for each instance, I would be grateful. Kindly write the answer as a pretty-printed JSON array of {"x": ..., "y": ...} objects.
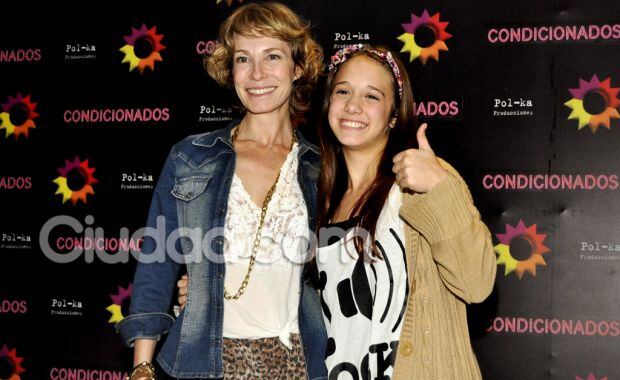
[{"x": 364, "y": 301}]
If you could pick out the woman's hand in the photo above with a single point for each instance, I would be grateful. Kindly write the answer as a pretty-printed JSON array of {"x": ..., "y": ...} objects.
[
  {"x": 182, "y": 285},
  {"x": 418, "y": 169}
]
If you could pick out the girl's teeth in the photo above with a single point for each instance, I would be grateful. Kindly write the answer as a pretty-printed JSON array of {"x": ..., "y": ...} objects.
[{"x": 353, "y": 124}]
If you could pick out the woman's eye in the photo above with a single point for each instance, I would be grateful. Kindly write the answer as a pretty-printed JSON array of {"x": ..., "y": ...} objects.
[
  {"x": 241, "y": 59},
  {"x": 273, "y": 56},
  {"x": 373, "y": 97}
]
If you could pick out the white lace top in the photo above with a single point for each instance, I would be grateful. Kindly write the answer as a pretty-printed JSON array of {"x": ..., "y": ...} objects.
[{"x": 268, "y": 308}]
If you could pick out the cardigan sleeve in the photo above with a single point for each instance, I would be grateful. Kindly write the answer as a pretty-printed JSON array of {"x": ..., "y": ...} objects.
[{"x": 460, "y": 242}]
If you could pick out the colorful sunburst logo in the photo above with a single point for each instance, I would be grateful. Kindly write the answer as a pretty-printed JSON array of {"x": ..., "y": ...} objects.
[
  {"x": 87, "y": 175},
  {"x": 537, "y": 249},
  {"x": 14, "y": 360},
  {"x": 610, "y": 94},
  {"x": 424, "y": 53},
  {"x": 117, "y": 301},
  {"x": 148, "y": 35},
  {"x": 590, "y": 377},
  {"x": 29, "y": 109},
  {"x": 228, "y": 2}
]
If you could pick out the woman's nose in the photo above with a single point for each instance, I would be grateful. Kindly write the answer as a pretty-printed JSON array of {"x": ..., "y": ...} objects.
[{"x": 257, "y": 70}]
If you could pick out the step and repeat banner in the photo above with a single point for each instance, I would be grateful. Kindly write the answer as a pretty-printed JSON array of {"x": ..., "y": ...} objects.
[{"x": 522, "y": 97}]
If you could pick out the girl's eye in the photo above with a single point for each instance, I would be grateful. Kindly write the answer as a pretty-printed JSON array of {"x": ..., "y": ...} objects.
[
  {"x": 373, "y": 97},
  {"x": 341, "y": 91}
]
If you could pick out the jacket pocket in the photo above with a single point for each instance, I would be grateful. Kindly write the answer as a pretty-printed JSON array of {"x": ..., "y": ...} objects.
[{"x": 189, "y": 188}]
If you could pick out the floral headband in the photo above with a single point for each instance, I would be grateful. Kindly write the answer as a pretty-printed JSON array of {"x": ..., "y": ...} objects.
[{"x": 343, "y": 54}]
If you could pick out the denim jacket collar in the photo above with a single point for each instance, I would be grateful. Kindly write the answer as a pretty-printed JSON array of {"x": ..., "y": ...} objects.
[{"x": 223, "y": 135}]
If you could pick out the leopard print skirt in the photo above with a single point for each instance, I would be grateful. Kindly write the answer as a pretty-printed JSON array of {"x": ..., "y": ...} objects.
[{"x": 265, "y": 358}]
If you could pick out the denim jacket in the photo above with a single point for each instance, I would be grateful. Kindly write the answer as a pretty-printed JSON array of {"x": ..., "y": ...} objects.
[{"x": 192, "y": 195}]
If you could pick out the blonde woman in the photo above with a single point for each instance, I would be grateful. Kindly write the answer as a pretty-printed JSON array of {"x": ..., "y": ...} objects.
[{"x": 248, "y": 312}]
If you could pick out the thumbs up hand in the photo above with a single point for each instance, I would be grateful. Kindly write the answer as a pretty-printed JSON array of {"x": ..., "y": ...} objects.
[{"x": 418, "y": 169}]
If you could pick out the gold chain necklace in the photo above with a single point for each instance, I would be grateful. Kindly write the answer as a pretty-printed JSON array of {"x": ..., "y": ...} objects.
[{"x": 261, "y": 223}]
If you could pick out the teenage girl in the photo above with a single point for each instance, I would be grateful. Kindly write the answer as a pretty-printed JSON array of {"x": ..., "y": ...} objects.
[{"x": 394, "y": 304}]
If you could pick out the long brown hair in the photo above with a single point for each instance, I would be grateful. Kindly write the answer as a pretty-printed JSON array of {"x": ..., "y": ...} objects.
[{"x": 333, "y": 179}]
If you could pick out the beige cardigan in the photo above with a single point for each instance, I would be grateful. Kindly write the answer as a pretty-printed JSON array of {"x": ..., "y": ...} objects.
[{"x": 450, "y": 262}]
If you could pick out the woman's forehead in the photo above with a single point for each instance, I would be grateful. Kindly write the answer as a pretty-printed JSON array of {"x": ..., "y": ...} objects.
[{"x": 244, "y": 42}]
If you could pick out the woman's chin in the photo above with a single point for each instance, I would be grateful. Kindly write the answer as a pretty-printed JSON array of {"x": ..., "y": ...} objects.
[{"x": 263, "y": 108}]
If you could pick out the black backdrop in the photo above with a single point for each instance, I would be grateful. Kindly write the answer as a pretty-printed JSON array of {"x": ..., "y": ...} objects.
[{"x": 539, "y": 158}]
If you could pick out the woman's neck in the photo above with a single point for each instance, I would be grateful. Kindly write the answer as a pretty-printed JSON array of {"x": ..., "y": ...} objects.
[{"x": 266, "y": 129}]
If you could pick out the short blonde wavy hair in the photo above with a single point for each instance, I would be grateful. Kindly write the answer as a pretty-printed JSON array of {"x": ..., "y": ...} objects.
[{"x": 277, "y": 21}]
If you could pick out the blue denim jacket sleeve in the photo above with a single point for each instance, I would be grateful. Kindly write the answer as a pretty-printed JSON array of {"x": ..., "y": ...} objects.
[{"x": 156, "y": 272}]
